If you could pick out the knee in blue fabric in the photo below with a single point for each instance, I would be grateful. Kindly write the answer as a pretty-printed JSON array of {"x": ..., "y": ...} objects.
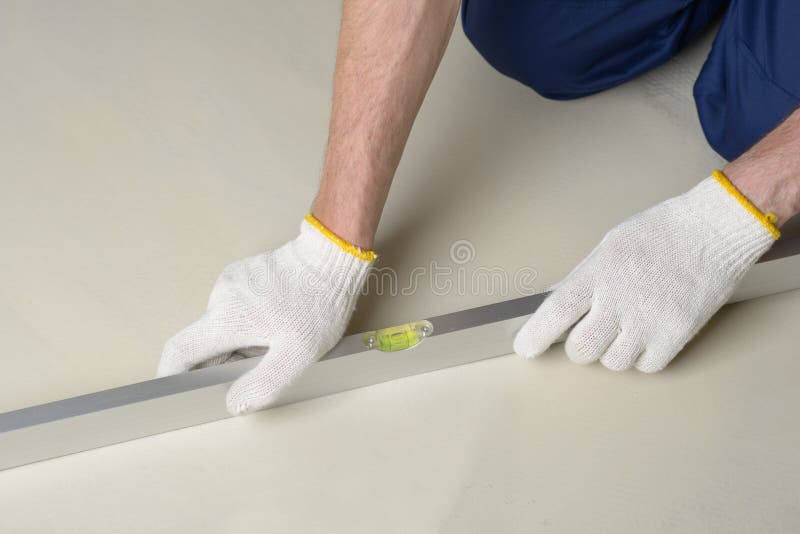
[
  {"x": 506, "y": 35},
  {"x": 566, "y": 49},
  {"x": 751, "y": 79}
]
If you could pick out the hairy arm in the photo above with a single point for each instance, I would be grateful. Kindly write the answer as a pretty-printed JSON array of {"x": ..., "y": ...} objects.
[
  {"x": 388, "y": 53},
  {"x": 769, "y": 173}
]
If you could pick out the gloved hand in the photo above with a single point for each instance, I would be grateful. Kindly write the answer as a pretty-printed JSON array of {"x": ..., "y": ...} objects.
[
  {"x": 654, "y": 280},
  {"x": 294, "y": 301}
]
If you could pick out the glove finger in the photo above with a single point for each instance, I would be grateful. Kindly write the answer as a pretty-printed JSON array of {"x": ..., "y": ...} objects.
[
  {"x": 655, "y": 358},
  {"x": 622, "y": 352},
  {"x": 592, "y": 336},
  {"x": 261, "y": 386},
  {"x": 568, "y": 303},
  {"x": 203, "y": 342}
]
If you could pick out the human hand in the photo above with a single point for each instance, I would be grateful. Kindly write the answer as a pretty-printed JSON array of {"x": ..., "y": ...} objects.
[
  {"x": 294, "y": 301},
  {"x": 654, "y": 280}
]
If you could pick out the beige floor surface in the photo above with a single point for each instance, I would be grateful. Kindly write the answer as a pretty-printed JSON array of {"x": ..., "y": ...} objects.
[{"x": 148, "y": 144}]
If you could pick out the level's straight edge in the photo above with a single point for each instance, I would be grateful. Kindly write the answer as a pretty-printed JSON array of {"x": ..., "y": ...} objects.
[{"x": 160, "y": 405}]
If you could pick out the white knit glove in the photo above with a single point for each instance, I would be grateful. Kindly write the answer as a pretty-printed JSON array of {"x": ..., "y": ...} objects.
[
  {"x": 295, "y": 301},
  {"x": 654, "y": 280}
]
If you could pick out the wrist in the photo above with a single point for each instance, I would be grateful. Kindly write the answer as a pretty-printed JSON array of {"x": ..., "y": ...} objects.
[
  {"x": 315, "y": 227},
  {"x": 769, "y": 173},
  {"x": 723, "y": 210},
  {"x": 348, "y": 215},
  {"x": 325, "y": 256},
  {"x": 776, "y": 192}
]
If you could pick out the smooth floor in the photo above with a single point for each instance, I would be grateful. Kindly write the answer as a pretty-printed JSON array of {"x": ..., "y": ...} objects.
[{"x": 148, "y": 144}]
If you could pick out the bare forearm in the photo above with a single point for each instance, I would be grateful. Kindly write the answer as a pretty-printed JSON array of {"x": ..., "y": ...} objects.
[
  {"x": 388, "y": 53},
  {"x": 769, "y": 173}
]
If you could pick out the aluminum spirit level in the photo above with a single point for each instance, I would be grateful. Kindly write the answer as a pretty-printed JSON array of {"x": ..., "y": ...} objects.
[{"x": 160, "y": 405}]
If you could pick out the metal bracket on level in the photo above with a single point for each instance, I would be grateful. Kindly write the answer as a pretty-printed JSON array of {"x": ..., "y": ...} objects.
[{"x": 160, "y": 405}]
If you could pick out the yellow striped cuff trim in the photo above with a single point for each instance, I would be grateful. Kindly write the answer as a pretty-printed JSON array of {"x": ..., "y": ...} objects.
[
  {"x": 767, "y": 220},
  {"x": 358, "y": 252}
]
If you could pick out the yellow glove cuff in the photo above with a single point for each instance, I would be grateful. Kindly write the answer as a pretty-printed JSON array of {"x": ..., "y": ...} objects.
[
  {"x": 358, "y": 252},
  {"x": 767, "y": 220}
]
